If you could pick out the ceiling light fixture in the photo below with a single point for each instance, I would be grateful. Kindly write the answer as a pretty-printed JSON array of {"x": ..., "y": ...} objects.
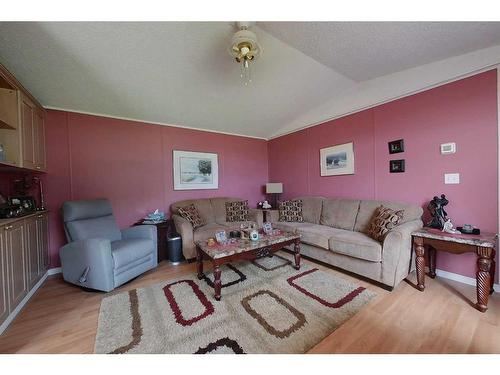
[{"x": 245, "y": 49}]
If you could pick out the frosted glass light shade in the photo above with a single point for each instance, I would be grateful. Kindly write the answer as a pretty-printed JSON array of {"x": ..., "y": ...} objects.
[{"x": 274, "y": 188}]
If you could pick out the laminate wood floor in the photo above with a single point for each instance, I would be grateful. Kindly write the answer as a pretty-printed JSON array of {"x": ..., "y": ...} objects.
[{"x": 62, "y": 318}]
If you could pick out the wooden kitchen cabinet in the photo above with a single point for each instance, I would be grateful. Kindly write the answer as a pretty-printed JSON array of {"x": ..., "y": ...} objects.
[
  {"x": 9, "y": 98},
  {"x": 42, "y": 232},
  {"x": 31, "y": 251},
  {"x": 27, "y": 128},
  {"x": 36, "y": 239},
  {"x": 16, "y": 263},
  {"x": 22, "y": 125},
  {"x": 4, "y": 291},
  {"x": 24, "y": 258}
]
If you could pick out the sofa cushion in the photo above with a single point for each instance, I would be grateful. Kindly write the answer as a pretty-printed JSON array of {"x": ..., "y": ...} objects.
[
  {"x": 191, "y": 214},
  {"x": 204, "y": 207},
  {"x": 236, "y": 211},
  {"x": 128, "y": 251},
  {"x": 339, "y": 213},
  {"x": 289, "y": 227},
  {"x": 317, "y": 235},
  {"x": 311, "y": 208},
  {"x": 383, "y": 221},
  {"x": 98, "y": 227},
  {"x": 219, "y": 207},
  {"x": 291, "y": 211},
  {"x": 205, "y": 232},
  {"x": 367, "y": 209},
  {"x": 356, "y": 245}
]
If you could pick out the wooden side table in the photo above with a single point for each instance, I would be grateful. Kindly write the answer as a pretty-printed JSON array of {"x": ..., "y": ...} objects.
[
  {"x": 162, "y": 230},
  {"x": 482, "y": 245}
]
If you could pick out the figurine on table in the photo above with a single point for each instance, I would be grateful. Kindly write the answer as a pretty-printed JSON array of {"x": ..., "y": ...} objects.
[
  {"x": 448, "y": 227},
  {"x": 439, "y": 215},
  {"x": 440, "y": 218},
  {"x": 264, "y": 205}
]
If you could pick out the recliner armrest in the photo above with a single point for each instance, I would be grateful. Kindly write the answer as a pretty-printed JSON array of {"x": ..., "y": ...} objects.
[
  {"x": 140, "y": 231},
  {"x": 91, "y": 258}
]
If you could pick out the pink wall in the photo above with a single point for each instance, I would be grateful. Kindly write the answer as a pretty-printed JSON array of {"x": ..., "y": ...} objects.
[
  {"x": 464, "y": 112},
  {"x": 131, "y": 164}
]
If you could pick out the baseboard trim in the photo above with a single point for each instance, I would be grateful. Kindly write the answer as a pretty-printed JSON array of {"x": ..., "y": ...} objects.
[
  {"x": 462, "y": 279},
  {"x": 17, "y": 310},
  {"x": 54, "y": 271},
  {"x": 25, "y": 300}
]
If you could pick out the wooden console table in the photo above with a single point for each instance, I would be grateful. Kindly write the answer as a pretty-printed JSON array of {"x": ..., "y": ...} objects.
[{"x": 482, "y": 245}]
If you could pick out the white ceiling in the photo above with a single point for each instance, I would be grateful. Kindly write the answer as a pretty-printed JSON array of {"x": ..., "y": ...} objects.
[
  {"x": 367, "y": 50},
  {"x": 180, "y": 73}
]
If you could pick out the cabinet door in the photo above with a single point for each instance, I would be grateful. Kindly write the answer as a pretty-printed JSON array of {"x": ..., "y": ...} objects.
[
  {"x": 16, "y": 269},
  {"x": 32, "y": 251},
  {"x": 27, "y": 125},
  {"x": 42, "y": 229},
  {"x": 39, "y": 140},
  {"x": 4, "y": 289}
]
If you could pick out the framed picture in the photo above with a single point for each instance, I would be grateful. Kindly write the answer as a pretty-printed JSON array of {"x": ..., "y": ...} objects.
[
  {"x": 396, "y": 146},
  {"x": 397, "y": 166},
  {"x": 195, "y": 170},
  {"x": 337, "y": 160}
]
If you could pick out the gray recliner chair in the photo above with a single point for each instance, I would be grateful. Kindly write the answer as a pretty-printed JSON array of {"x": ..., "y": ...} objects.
[{"x": 99, "y": 255}]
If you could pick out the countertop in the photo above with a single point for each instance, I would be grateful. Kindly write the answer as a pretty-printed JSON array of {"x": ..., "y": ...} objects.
[
  {"x": 14, "y": 219},
  {"x": 483, "y": 239}
]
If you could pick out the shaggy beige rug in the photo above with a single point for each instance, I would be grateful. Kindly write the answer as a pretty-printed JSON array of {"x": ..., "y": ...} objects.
[{"x": 267, "y": 307}]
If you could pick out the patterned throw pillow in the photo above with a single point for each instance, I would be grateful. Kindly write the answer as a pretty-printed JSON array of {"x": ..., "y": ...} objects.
[
  {"x": 237, "y": 211},
  {"x": 291, "y": 211},
  {"x": 191, "y": 214},
  {"x": 383, "y": 220}
]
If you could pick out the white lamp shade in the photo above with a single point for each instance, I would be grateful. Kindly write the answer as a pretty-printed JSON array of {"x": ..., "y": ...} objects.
[{"x": 274, "y": 188}]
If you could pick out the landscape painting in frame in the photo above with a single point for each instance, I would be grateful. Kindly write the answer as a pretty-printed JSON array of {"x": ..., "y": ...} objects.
[
  {"x": 195, "y": 170},
  {"x": 337, "y": 160}
]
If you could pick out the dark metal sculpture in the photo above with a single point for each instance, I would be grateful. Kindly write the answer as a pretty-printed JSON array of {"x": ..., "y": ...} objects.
[{"x": 439, "y": 215}]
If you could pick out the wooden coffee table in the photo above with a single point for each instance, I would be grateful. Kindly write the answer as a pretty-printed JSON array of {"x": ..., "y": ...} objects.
[{"x": 243, "y": 249}]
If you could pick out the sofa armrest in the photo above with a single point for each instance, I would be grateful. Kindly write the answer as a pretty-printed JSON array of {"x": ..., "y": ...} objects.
[
  {"x": 140, "y": 231},
  {"x": 256, "y": 215},
  {"x": 273, "y": 216},
  {"x": 185, "y": 229},
  {"x": 88, "y": 263},
  {"x": 397, "y": 252}
]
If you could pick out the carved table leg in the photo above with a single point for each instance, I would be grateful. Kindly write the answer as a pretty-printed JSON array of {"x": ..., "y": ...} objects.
[
  {"x": 418, "y": 243},
  {"x": 199, "y": 263},
  {"x": 483, "y": 277},
  {"x": 296, "y": 249},
  {"x": 217, "y": 282},
  {"x": 432, "y": 262},
  {"x": 492, "y": 271}
]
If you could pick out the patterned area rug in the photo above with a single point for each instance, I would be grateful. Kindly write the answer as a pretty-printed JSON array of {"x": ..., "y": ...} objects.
[{"x": 267, "y": 307}]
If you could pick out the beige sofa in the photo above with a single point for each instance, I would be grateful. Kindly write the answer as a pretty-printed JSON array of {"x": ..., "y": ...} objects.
[
  {"x": 213, "y": 212},
  {"x": 334, "y": 230}
]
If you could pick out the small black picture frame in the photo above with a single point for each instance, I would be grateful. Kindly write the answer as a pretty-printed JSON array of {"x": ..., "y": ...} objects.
[
  {"x": 397, "y": 166},
  {"x": 396, "y": 146}
]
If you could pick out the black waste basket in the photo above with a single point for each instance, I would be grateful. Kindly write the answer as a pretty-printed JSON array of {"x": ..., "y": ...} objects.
[{"x": 174, "y": 248}]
